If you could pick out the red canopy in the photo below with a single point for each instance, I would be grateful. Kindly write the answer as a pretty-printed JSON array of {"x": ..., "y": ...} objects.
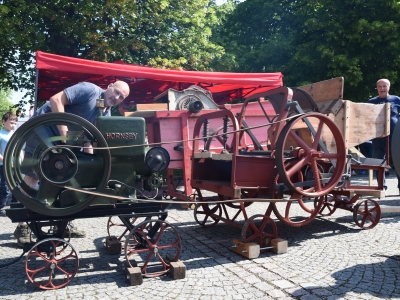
[{"x": 56, "y": 72}]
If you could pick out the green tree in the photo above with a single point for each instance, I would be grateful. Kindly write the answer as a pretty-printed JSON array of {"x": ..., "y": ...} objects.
[
  {"x": 5, "y": 103},
  {"x": 160, "y": 33},
  {"x": 310, "y": 41}
]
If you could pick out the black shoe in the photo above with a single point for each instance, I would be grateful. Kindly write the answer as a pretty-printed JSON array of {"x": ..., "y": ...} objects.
[
  {"x": 73, "y": 232},
  {"x": 23, "y": 235}
]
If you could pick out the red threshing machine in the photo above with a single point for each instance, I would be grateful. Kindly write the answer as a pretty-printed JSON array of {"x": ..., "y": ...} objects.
[{"x": 289, "y": 147}]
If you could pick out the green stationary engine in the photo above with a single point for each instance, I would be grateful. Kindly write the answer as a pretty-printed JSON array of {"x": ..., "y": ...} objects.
[{"x": 110, "y": 158}]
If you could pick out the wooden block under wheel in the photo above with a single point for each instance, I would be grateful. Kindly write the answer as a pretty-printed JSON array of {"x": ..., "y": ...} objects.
[
  {"x": 131, "y": 264},
  {"x": 113, "y": 245},
  {"x": 134, "y": 276},
  {"x": 249, "y": 250},
  {"x": 279, "y": 246},
  {"x": 177, "y": 270}
]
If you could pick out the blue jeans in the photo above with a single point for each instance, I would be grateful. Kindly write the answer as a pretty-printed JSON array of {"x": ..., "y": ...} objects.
[
  {"x": 367, "y": 149},
  {"x": 4, "y": 191},
  {"x": 379, "y": 145}
]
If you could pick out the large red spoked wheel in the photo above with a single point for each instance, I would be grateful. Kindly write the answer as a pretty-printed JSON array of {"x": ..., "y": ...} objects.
[
  {"x": 153, "y": 245},
  {"x": 259, "y": 228},
  {"x": 298, "y": 210},
  {"x": 51, "y": 263},
  {"x": 320, "y": 141},
  {"x": 367, "y": 213},
  {"x": 207, "y": 215}
]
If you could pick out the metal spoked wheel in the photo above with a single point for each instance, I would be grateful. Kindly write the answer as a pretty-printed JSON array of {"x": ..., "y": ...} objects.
[
  {"x": 115, "y": 226},
  {"x": 51, "y": 263},
  {"x": 153, "y": 245},
  {"x": 261, "y": 229},
  {"x": 56, "y": 164},
  {"x": 306, "y": 139},
  {"x": 207, "y": 215},
  {"x": 367, "y": 213},
  {"x": 328, "y": 205},
  {"x": 298, "y": 210}
]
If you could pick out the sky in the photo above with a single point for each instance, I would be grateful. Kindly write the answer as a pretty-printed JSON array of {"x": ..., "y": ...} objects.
[{"x": 17, "y": 96}]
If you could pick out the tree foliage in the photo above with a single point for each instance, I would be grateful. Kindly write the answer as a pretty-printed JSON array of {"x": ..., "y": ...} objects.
[
  {"x": 5, "y": 103},
  {"x": 161, "y": 33},
  {"x": 314, "y": 40}
]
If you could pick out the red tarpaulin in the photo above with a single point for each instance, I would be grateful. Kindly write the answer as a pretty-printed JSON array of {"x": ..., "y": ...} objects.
[{"x": 56, "y": 72}]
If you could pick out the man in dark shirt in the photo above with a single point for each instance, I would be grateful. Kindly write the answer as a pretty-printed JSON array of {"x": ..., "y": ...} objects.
[{"x": 379, "y": 144}]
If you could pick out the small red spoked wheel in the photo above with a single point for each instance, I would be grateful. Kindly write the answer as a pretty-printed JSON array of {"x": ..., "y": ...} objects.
[
  {"x": 49, "y": 268},
  {"x": 367, "y": 213},
  {"x": 153, "y": 245},
  {"x": 328, "y": 206},
  {"x": 207, "y": 215},
  {"x": 261, "y": 229}
]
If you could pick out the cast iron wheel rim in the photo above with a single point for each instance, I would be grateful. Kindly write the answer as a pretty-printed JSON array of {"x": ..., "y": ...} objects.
[
  {"x": 286, "y": 217},
  {"x": 14, "y": 175},
  {"x": 311, "y": 155},
  {"x": 152, "y": 247},
  {"x": 328, "y": 205},
  {"x": 262, "y": 232},
  {"x": 207, "y": 211},
  {"x": 367, "y": 213},
  {"x": 56, "y": 268}
]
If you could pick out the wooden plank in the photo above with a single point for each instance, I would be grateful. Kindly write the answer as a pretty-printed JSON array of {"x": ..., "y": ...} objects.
[
  {"x": 346, "y": 125},
  {"x": 389, "y": 209},
  {"x": 374, "y": 193},
  {"x": 134, "y": 276},
  {"x": 141, "y": 114},
  {"x": 147, "y": 110},
  {"x": 152, "y": 106},
  {"x": 387, "y": 124},
  {"x": 359, "y": 123},
  {"x": 327, "y": 90},
  {"x": 249, "y": 250},
  {"x": 279, "y": 245},
  {"x": 177, "y": 270}
]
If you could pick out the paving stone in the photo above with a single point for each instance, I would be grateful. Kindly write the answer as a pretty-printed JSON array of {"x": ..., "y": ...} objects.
[
  {"x": 283, "y": 284},
  {"x": 329, "y": 259}
]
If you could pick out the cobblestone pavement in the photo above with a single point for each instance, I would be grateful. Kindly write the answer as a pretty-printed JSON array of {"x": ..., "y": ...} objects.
[{"x": 331, "y": 258}]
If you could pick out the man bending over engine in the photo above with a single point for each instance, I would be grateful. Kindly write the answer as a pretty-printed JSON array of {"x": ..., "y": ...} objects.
[{"x": 80, "y": 100}]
